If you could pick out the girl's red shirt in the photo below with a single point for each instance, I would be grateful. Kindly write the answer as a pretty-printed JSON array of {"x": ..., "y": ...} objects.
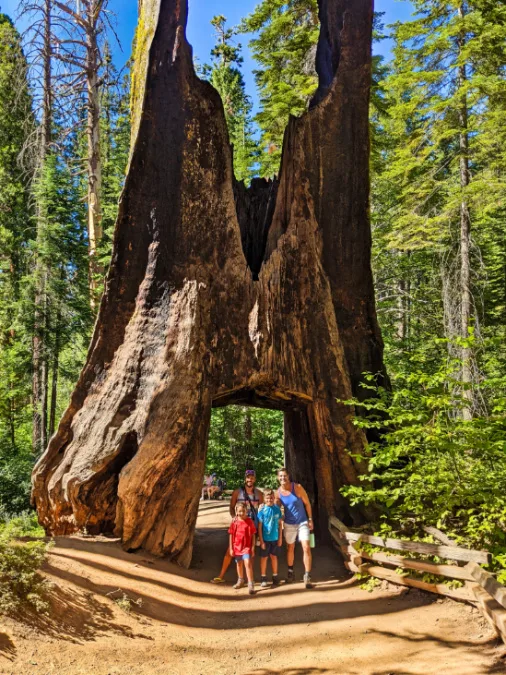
[{"x": 242, "y": 532}]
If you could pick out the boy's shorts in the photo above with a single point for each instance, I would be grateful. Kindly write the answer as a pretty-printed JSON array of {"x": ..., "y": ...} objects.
[
  {"x": 244, "y": 556},
  {"x": 294, "y": 532},
  {"x": 271, "y": 548}
]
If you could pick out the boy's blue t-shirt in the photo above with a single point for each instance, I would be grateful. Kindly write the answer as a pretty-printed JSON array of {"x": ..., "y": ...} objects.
[{"x": 270, "y": 516}]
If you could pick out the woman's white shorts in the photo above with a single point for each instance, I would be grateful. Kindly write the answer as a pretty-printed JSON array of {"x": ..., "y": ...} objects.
[{"x": 294, "y": 532}]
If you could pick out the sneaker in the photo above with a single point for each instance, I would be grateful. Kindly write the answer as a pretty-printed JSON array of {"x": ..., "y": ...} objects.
[
  {"x": 264, "y": 584},
  {"x": 239, "y": 584},
  {"x": 251, "y": 589},
  {"x": 307, "y": 580},
  {"x": 275, "y": 581},
  {"x": 290, "y": 577},
  {"x": 218, "y": 580}
]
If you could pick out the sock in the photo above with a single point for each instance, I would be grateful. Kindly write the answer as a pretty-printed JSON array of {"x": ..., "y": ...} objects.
[{"x": 290, "y": 569}]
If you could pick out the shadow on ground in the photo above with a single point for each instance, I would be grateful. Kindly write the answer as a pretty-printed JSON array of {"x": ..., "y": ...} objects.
[
  {"x": 169, "y": 612},
  {"x": 88, "y": 572},
  {"x": 7, "y": 647},
  {"x": 74, "y": 616}
]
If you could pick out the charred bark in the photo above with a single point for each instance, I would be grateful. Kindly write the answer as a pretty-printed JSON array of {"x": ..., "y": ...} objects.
[{"x": 184, "y": 326}]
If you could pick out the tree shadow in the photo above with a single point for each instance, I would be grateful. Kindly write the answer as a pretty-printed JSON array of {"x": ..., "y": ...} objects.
[
  {"x": 74, "y": 616},
  {"x": 212, "y": 560},
  {"x": 486, "y": 649},
  {"x": 290, "y": 671},
  {"x": 154, "y": 607},
  {"x": 216, "y": 596},
  {"x": 7, "y": 647}
]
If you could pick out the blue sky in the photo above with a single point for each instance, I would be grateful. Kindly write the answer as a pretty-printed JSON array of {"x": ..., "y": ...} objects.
[{"x": 200, "y": 31}]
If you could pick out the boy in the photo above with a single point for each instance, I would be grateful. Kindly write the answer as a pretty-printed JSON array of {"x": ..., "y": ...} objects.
[
  {"x": 241, "y": 541},
  {"x": 270, "y": 536}
]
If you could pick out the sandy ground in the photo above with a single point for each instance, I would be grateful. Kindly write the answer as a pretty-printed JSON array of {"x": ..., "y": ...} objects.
[{"x": 186, "y": 625}]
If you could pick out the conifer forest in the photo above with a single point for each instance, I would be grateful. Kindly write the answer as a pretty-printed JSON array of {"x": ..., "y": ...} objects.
[{"x": 437, "y": 427}]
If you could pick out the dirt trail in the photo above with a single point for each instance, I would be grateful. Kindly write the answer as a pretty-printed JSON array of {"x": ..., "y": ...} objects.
[{"x": 186, "y": 625}]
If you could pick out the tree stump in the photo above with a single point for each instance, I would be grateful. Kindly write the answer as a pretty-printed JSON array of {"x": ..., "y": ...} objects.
[{"x": 219, "y": 294}]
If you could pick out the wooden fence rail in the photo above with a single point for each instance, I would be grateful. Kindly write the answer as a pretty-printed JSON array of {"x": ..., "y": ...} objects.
[{"x": 480, "y": 587}]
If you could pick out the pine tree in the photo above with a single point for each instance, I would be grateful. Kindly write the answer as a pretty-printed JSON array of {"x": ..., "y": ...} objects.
[
  {"x": 226, "y": 77},
  {"x": 115, "y": 147},
  {"x": 285, "y": 49},
  {"x": 16, "y": 229},
  {"x": 432, "y": 183},
  {"x": 241, "y": 438}
]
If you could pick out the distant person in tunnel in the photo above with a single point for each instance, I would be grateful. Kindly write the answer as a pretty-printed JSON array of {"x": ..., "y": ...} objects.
[
  {"x": 251, "y": 497},
  {"x": 298, "y": 523}
]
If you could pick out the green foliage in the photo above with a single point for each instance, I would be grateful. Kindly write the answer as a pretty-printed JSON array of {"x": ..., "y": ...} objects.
[
  {"x": 431, "y": 466},
  {"x": 21, "y": 585},
  {"x": 16, "y": 464},
  {"x": 226, "y": 77},
  {"x": 23, "y": 525},
  {"x": 60, "y": 269},
  {"x": 126, "y": 604},
  {"x": 285, "y": 48},
  {"x": 245, "y": 438},
  {"x": 369, "y": 583},
  {"x": 16, "y": 228},
  {"x": 115, "y": 147}
]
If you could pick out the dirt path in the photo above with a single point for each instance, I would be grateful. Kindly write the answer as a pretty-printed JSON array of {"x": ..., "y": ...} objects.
[{"x": 186, "y": 625}]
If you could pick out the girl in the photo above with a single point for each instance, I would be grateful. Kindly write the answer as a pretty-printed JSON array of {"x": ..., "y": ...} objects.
[{"x": 242, "y": 533}]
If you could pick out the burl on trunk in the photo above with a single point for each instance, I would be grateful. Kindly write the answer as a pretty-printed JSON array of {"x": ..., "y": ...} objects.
[{"x": 219, "y": 294}]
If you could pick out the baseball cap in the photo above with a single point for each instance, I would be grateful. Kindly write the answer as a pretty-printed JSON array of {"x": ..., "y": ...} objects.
[{"x": 250, "y": 472}]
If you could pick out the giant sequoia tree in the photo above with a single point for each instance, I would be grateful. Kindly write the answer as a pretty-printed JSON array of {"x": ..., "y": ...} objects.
[{"x": 220, "y": 294}]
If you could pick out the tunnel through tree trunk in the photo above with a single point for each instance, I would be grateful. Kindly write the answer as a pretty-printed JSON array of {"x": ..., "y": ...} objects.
[{"x": 183, "y": 326}]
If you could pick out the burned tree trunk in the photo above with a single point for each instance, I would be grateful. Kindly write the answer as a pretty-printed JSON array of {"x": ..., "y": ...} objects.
[{"x": 184, "y": 325}]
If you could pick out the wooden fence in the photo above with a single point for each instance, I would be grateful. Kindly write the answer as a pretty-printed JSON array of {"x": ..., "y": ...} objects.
[{"x": 480, "y": 587}]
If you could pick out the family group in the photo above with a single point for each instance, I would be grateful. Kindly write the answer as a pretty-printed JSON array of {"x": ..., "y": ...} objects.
[{"x": 263, "y": 518}]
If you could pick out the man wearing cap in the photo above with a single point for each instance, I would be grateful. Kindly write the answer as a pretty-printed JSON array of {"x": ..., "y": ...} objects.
[{"x": 251, "y": 497}]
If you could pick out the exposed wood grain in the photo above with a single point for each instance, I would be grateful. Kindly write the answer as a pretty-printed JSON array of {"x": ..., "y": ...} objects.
[
  {"x": 439, "y": 589},
  {"x": 452, "y": 552},
  {"x": 492, "y": 610},
  {"x": 340, "y": 526},
  {"x": 450, "y": 571},
  {"x": 440, "y": 536},
  {"x": 349, "y": 553},
  {"x": 488, "y": 582},
  {"x": 215, "y": 296}
]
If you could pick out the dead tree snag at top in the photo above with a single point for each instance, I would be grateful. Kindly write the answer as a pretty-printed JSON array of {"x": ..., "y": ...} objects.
[{"x": 185, "y": 325}]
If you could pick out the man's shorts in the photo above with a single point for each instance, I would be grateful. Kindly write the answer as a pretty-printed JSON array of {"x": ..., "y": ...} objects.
[
  {"x": 294, "y": 532},
  {"x": 271, "y": 548},
  {"x": 244, "y": 556}
]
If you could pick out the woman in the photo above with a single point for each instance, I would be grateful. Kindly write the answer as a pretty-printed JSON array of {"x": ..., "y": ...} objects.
[{"x": 298, "y": 523}]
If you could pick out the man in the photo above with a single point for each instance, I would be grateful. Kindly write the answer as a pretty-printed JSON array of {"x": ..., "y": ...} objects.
[
  {"x": 251, "y": 497},
  {"x": 298, "y": 523}
]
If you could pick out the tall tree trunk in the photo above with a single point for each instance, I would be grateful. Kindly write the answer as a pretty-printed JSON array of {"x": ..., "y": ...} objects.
[
  {"x": 44, "y": 373},
  {"x": 465, "y": 232},
  {"x": 248, "y": 438},
  {"x": 39, "y": 372},
  {"x": 95, "y": 232},
  {"x": 184, "y": 325},
  {"x": 54, "y": 375},
  {"x": 12, "y": 416}
]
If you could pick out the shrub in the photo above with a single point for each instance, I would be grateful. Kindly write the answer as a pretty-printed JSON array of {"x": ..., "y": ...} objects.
[
  {"x": 21, "y": 585},
  {"x": 431, "y": 466},
  {"x": 23, "y": 525},
  {"x": 126, "y": 603}
]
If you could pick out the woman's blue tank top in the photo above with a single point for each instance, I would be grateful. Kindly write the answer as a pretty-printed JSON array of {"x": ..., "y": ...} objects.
[{"x": 295, "y": 511}]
